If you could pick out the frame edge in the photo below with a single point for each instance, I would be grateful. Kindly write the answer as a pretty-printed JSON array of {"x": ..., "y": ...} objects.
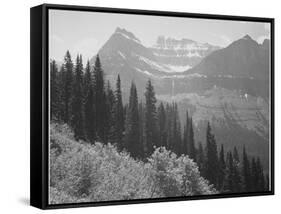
[{"x": 36, "y": 143}]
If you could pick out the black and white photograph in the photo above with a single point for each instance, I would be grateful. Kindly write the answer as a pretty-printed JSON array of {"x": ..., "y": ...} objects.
[{"x": 154, "y": 107}]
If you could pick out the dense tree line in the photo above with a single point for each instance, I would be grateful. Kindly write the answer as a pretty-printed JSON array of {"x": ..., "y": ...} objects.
[{"x": 81, "y": 98}]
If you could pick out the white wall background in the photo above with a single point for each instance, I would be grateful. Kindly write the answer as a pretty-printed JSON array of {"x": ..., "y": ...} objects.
[{"x": 14, "y": 106}]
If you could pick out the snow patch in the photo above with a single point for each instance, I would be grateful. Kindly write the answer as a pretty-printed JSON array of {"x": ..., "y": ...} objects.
[
  {"x": 145, "y": 72},
  {"x": 154, "y": 65},
  {"x": 188, "y": 76},
  {"x": 130, "y": 38},
  {"x": 122, "y": 55},
  {"x": 164, "y": 67},
  {"x": 189, "y": 54},
  {"x": 178, "y": 68}
]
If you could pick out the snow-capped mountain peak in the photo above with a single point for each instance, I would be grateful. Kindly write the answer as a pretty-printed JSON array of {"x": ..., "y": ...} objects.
[{"x": 128, "y": 35}]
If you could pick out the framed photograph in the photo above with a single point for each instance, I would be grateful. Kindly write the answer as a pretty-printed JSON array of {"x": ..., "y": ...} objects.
[{"x": 134, "y": 106}]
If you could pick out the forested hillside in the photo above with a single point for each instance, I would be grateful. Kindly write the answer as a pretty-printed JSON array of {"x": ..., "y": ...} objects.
[{"x": 139, "y": 146}]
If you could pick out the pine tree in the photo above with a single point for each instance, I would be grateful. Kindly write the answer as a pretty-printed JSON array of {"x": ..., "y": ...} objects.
[
  {"x": 118, "y": 122},
  {"x": 55, "y": 91},
  {"x": 191, "y": 144},
  {"x": 61, "y": 83},
  {"x": 267, "y": 183},
  {"x": 176, "y": 131},
  {"x": 110, "y": 101},
  {"x": 100, "y": 101},
  {"x": 77, "y": 117},
  {"x": 236, "y": 155},
  {"x": 87, "y": 79},
  {"x": 89, "y": 111},
  {"x": 168, "y": 127},
  {"x": 200, "y": 160},
  {"x": 222, "y": 168},
  {"x": 162, "y": 125},
  {"x": 141, "y": 125},
  {"x": 246, "y": 172},
  {"x": 67, "y": 87},
  {"x": 188, "y": 138},
  {"x": 261, "y": 181},
  {"x": 89, "y": 115},
  {"x": 229, "y": 178},
  {"x": 211, "y": 164},
  {"x": 236, "y": 173},
  {"x": 150, "y": 123},
  {"x": 186, "y": 135},
  {"x": 254, "y": 175},
  {"x": 132, "y": 126}
]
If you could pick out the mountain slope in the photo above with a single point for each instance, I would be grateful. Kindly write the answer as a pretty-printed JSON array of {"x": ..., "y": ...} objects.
[
  {"x": 244, "y": 58},
  {"x": 125, "y": 55}
]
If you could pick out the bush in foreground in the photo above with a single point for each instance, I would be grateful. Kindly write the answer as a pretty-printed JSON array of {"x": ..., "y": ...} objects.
[{"x": 80, "y": 172}]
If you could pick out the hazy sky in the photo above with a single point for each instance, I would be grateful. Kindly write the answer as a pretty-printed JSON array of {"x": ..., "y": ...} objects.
[{"x": 86, "y": 32}]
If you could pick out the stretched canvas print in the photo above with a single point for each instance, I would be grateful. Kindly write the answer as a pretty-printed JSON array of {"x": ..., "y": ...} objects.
[{"x": 144, "y": 106}]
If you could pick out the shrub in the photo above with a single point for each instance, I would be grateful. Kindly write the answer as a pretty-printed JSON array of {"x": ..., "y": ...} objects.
[{"x": 83, "y": 172}]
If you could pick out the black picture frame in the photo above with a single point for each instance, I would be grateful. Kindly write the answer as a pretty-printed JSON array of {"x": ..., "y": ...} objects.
[{"x": 39, "y": 103}]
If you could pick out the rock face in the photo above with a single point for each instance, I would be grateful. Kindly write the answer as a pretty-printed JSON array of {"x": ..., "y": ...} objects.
[
  {"x": 180, "y": 54},
  {"x": 227, "y": 86}
]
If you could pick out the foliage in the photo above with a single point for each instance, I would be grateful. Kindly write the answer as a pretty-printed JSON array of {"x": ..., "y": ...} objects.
[
  {"x": 177, "y": 176},
  {"x": 97, "y": 172}
]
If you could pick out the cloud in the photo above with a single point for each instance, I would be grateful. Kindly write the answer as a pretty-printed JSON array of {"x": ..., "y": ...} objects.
[{"x": 56, "y": 39}]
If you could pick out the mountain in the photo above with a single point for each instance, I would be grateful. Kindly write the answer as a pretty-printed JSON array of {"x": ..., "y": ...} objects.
[
  {"x": 124, "y": 54},
  {"x": 226, "y": 86}
]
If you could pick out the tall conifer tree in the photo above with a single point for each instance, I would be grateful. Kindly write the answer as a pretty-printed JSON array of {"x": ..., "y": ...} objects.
[
  {"x": 150, "y": 127},
  {"x": 110, "y": 102},
  {"x": 246, "y": 172},
  {"x": 211, "y": 164},
  {"x": 254, "y": 175},
  {"x": 261, "y": 180},
  {"x": 77, "y": 117},
  {"x": 100, "y": 101},
  {"x": 200, "y": 160},
  {"x": 141, "y": 125},
  {"x": 89, "y": 115},
  {"x": 191, "y": 144},
  {"x": 176, "y": 131},
  {"x": 117, "y": 129},
  {"x": 236, "y": 171},
  {"x": 67, "y": 87},
  {"x": 229, "y": 179},
  {"x": 55, "y": 91},
  {"x": 162, "y": 125},
  {"x": 186, "y": 135},
  {"x": 222, "y": 168},
  {"x": 87, "y": 79},
  {"x": 132, "y": 126}
]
